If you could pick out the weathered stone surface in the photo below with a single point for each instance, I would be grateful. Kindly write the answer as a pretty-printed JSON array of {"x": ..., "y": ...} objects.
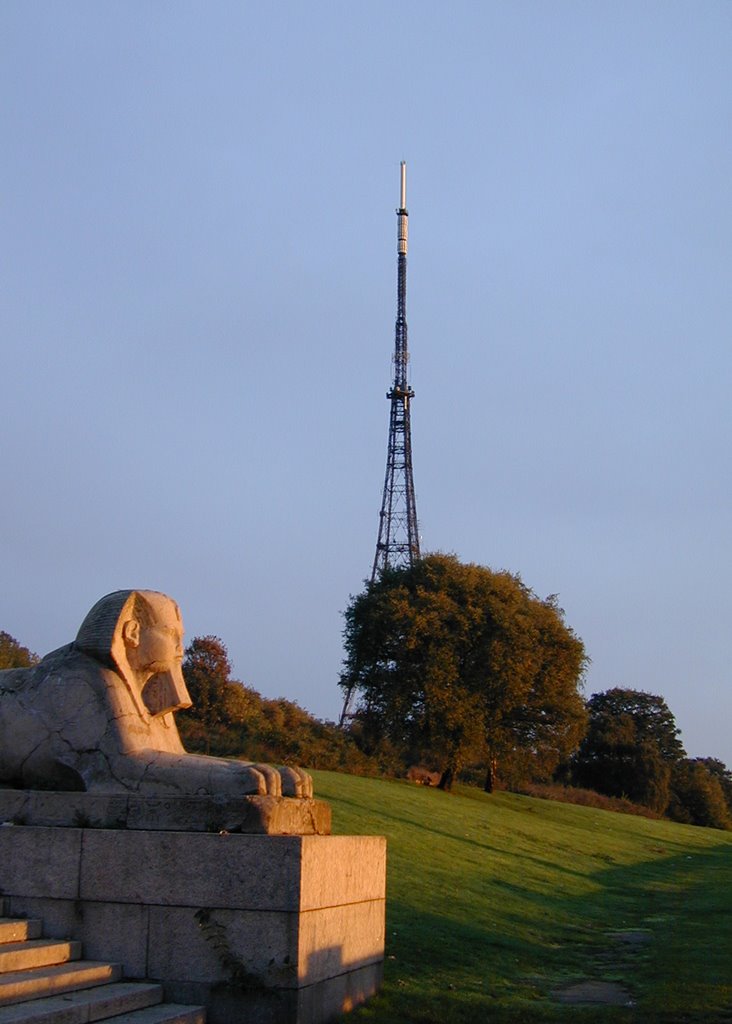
[
  {"x": 218, "y": 946},
  {"x": 77, "y": 810},
  {"x": 22, "y": 986},
  {"x": 38, "y": 864},
  {"x": 195, "y": 869},
  {"x": 312, "y": 1004},
  {"x": 165, "y": 1013},
  {"x": 257, "y": 815},
  {"x": 25, "y": 956},
  {"x": 85, "y": 1006},
  {"x": 59, "y": 917},
  {"x": 19, "y": 931},
  {"x": 97, "y": 714},
  {"x": 328, "y": 999},
  {"x": 262, "y": 929},
  {"x": 118, "y": 932},
  {"x": 343, "y": 869},
  {"x": 336, "y": 940}
]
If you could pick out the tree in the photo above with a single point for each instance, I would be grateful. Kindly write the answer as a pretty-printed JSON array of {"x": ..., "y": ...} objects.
[
  {"x": 721, "y": 772},
  {"x": 697, "y": 796},
  {"x": 13, "y": 654},
  {"x": 547, "y": 725},
  {"x": 230, "y": 719},
  {"x": 450, "y": 658},
  {"x": 631, "y": 745},
  {"x": 206, "y": 669}
]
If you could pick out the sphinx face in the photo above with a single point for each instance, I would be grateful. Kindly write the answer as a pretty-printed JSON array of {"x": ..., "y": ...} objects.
[
  {"x": 159, "y": 655},
  {"x": 161, "y": 646}
]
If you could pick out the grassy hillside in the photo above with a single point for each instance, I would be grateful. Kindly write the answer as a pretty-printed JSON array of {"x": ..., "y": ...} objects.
[{"x": 497, "y": 902}]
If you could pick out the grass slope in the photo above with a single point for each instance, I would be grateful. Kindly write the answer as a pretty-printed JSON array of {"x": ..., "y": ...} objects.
[{"x": 495, "y": 902}]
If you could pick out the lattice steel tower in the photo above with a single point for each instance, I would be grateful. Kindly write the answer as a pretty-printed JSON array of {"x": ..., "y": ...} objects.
[{"x": 398, "y": 541}]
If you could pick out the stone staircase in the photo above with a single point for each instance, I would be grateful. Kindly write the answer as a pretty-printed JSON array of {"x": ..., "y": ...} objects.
[{"x": 45, "y": 981}]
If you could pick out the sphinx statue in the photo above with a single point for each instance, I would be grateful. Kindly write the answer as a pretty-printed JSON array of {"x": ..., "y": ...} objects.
[{"x": 98, "y": 714}]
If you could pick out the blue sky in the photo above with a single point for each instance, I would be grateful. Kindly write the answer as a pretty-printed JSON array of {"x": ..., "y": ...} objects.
[{"x": 198, "y": 240}]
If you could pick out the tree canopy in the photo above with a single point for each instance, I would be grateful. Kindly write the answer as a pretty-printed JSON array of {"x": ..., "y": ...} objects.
[
  {"x": 233, "y": 720},
  {"x": 449, "y": 658},
  {"x": 13, "y": 654},
  {"x": 206, "y": 669},
  {"x": 697, "y": 794},
  {"x": 630, "y": 748}
]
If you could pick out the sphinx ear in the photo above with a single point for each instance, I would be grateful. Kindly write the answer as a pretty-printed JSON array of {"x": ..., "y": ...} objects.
[{"x": 131, "y": 633}]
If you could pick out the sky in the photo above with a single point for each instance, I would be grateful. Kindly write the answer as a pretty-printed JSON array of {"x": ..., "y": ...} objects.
[{"x": 198, "y": 262}]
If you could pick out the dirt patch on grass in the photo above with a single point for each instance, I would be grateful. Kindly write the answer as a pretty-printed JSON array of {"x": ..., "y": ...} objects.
[
  {"x": 634, "y": 938},
  {"x": 610, "y": 961},
  {"x": 605, "y": 993}
]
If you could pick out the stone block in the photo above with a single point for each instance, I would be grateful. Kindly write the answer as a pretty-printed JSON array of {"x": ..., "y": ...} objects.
[
  {"x": 108, "y": 931},
  {"x": 165, "y": 1013},
  {"x": 19, "y": 931},
  {"x": 262, "y": 929},
  {"x": 255, "y": 815},
  {"x": 119, "y": 932},
  {"x": 24, "y": 986},
  {"x": 12, "y": 802},
  {"x": 327, "y": 1000},
  {"x": 320, "y": 1003},
  {"x": 340, "y": 939},
  {"x": 343, "y": 869},
  {"x": 63, "y": 810},
  {"x": 202, "y": 870},
  {"x": 40, "y": 861},
  {"x": 85, "y": 1006},
  {"x": 220, "y": 946},
  {"x": 27, "y": 956},
  {"x": 60, "y": 918}
]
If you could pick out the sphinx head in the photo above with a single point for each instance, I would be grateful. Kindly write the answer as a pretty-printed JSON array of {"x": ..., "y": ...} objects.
[{"x": 139, "y": 633}]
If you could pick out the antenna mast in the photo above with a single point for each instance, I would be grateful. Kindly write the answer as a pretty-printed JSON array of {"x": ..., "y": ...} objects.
[
  {"x": 397, "y": 545},
  {"x": 398, "y": 540}
]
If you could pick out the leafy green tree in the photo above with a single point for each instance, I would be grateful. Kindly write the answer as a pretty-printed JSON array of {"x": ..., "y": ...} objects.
[
  {"x": 721, "y": 772},
  {"x": 631, "y": 745},
  {"x": 651, "y": 715},
  {"x": 206, "y": 670},
  {"x": 542, "y": 730},
  {"x": 231, "y": 719},
  {"x": 13, "y": 654},
  {"x": 450, "y": 658},
  {"x": 697, "y": 797}
]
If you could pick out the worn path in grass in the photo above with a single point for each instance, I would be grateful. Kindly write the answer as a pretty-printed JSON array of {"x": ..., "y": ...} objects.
[{"x": 499, "y": 904}]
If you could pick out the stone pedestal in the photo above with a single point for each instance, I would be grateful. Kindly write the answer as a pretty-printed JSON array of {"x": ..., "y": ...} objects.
[
  {"x": 256, "y": 815},
  {"x": 262, "y": 929}
]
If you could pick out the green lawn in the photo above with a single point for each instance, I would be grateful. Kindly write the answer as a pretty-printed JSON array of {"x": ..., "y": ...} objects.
[{"x": 495, "y": 902}]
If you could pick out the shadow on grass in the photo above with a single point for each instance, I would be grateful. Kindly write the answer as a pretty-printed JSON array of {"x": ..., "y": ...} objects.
[{"x": 445, "y": 969}]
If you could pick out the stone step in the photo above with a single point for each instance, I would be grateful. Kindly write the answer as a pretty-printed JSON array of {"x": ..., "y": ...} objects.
[
  {"x": 20, "y": 986},
  {"x": 165, "y": 1013},
  {"x": 25, "y": 956},
  {"x": 18, "y": 930},
  {"x": 85, "y": 1006}
]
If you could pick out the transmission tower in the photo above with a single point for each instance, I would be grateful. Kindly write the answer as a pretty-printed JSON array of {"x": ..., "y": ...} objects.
[{"x": 398, "y": 541}]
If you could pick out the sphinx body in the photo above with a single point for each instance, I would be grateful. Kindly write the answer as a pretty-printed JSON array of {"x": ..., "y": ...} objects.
[{"x": 98, "y": 714}]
